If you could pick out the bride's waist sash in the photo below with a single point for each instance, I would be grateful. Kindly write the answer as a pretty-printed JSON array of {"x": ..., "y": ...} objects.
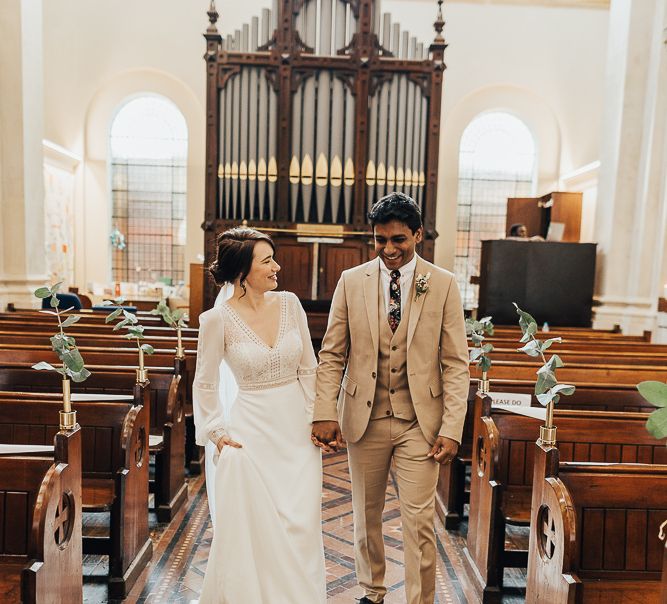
[{"x": 253, "y": 386}]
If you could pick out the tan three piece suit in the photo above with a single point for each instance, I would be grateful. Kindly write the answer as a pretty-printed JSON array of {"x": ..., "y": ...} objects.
[{"x": 394, "y": 393}]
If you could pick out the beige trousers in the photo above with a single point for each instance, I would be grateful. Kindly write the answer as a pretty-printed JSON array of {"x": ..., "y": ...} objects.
[{"x": 402, "y": 441}]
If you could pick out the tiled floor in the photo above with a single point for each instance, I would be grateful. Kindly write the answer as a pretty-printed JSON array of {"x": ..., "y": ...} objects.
[{"x": 181, "y": 551}]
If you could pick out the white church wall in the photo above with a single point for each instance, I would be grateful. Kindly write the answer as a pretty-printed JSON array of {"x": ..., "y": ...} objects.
[
  {"x": 523, "y": 103},
  {"x": 544, "y": 65},
  {"x": 93, "y": 48},
  {"x": 60, "y": 168},
  {"x": 97, "y": 206}
]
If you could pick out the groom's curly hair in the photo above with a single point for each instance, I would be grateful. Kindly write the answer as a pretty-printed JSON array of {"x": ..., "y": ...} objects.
[
  {"x": 235, "y": 251},
  {"x": 396, "y": 206}
]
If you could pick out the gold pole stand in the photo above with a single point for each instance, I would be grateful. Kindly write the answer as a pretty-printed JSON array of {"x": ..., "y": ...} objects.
[
  {"x": 484, "y": 385},
  {"x": 142, "y": 374},
  {"x": 67, "y": 416},
  {"x": 548, "y": 431},
  {"x": 180, "y": 352}
]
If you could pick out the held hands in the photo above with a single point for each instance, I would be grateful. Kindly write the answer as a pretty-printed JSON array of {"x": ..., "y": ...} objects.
[
  {"x": 225, "y": 441},
  {"x": 327, "y": 436},
  {"x": 443, "y": 450}
]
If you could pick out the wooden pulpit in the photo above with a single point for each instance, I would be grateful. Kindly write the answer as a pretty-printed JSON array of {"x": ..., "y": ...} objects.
[
  {"x": 550, "y": 280},
  {"x": 537, "y": 213}
]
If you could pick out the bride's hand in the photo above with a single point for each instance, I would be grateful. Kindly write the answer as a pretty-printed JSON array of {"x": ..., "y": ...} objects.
[{"x": 225, "y": 441}]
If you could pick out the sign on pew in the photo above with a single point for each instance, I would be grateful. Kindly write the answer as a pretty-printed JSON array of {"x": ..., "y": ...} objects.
[
  {"x": 517, "y": 402},
  {"x": 509, "y": 400}
]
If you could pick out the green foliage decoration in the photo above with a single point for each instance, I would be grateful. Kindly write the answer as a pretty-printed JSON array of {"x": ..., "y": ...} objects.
[
  {"x": 176, "y": 318},
  {"x": 63, "y": 345},
  {"x": 477, "y": 331},
  {"x": 656, "y": 394},
  {"x": 547, "y": 388},
  {"x": 129, "y": 321}
]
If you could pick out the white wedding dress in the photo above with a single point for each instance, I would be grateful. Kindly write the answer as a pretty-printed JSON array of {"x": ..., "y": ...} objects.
[{"x": 267, "y": 541}]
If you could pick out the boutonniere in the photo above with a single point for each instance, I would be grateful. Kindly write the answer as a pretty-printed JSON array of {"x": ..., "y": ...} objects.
[{"x": 422, "y": 284}]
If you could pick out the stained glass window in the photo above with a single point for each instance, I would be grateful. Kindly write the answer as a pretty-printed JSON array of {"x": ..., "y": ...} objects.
[
  {"x": 148, "y": 151},
  {"x": 496, "y": 161}
]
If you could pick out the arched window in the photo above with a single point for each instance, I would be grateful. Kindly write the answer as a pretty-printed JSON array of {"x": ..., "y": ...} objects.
[
  {"x": 496, "y": 161},
  {"x": 148, "y": 151}
]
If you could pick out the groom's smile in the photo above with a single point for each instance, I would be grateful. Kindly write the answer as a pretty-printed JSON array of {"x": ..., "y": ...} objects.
[{"x": 395, "y": 243}]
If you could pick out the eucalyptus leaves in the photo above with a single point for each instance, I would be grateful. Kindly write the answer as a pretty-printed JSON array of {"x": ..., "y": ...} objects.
[
  {"x": 478, "y": 330},
  {"x": 656, "y": 394},
  {"x": 135, "y": 331},
  {"x": 547, "y": 388},
  {"x": 175, "y": 319},
  {"x": 63, "y": 345}
]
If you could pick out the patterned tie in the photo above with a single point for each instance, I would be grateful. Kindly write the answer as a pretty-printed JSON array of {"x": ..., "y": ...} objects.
[{"x": 394, "y": 300}]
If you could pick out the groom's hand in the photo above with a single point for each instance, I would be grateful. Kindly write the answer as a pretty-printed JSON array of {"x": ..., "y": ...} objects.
[
  {"x": 443, "y": 450},
  {"x": 327, "y": 436}
]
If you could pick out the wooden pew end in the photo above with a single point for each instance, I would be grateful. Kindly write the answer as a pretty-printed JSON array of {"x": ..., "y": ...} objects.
[{"x": 119, "y": 587}]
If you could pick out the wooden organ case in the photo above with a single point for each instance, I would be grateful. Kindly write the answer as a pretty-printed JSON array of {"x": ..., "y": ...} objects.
[{"x": 315, "y": 111}]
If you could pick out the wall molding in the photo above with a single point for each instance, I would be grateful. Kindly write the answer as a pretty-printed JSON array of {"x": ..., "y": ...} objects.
[
  {"x": 60, "y": 157},
  {"x": 599, "y": 4}
]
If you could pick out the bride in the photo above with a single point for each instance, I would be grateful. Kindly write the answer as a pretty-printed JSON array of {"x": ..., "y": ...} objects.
[{"x": 265, "y": 487}]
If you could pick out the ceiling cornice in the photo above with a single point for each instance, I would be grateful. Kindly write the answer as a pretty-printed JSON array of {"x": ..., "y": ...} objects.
[{"x": 600, "y": 4}]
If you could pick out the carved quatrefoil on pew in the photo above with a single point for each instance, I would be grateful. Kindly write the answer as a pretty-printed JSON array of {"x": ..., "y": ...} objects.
[
  {"x": 547, "y": 533},
  {"x": 481, "y": 456},
  {"x": 140, "y": 448},
  {"x": 64, "y": 520}
]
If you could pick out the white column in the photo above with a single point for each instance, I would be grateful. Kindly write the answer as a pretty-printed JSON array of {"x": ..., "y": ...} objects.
[
  {"x": 22, "y": 249},
  {"x": 632, "y": 207}
]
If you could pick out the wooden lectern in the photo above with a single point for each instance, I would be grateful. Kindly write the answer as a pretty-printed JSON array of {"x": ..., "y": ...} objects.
[
  {"x": 550, "y": 280},
  {"x": 537, "y": 213}
]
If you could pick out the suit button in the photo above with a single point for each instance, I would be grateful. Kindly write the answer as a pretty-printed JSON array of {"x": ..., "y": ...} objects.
[
  {"x": 394, "y": 347},
  {"x": 392, "y": 391},
  {"x": 373, "y": 375},
  {"x": 369, "y": 403},
  {"x": 388, "y": 412},
  {"x": 393, "y": 370}
]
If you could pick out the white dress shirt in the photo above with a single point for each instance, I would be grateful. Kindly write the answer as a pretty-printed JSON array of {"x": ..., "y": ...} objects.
[{"x": 407, "y": 276}]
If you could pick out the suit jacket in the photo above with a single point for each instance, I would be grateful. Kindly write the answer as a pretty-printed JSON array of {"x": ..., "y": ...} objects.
[{"x": 437, "y": 355}]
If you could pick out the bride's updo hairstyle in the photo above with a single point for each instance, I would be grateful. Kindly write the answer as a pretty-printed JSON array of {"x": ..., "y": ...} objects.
[{"x": 235, "y": 250}]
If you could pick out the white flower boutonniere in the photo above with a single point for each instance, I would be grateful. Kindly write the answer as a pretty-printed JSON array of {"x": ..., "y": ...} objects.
[{"x": 422, "y": 284}]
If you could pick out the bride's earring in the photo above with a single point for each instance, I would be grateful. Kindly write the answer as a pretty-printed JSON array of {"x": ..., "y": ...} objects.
[{"x": 242, "y": 284}]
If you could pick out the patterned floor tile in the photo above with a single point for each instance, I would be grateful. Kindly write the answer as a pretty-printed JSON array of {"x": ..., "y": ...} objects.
[{"x": 181, "y": 548}]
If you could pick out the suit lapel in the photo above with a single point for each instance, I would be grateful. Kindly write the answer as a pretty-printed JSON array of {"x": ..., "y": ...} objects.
[
  {"x": 417, "y": 303},
  {"x": 371, "y": 289}
]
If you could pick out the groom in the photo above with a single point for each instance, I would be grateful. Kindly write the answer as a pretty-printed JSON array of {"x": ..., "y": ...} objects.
[{"x": 393, "y": 382}]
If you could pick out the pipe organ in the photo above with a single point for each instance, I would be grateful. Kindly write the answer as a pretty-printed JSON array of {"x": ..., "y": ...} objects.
[{"x": 315, "y": 110}]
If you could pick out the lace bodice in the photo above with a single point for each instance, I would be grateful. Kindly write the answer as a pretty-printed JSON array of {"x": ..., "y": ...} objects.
[
  {"x": 255, "y": 365},
  {"x": 224, "y": 335}
]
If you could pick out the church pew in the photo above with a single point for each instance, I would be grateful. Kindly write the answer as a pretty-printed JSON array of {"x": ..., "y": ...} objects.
[
  {"x": 502, "y": 473},
  {"x": 114, "y": 461},
  {"x": 101, "y": 334},
  {"x": 591, "y": 347},
  {"x": 124, "y": 352},
  {"x": 451, "y": 495},
  {"x": 20, "y": 314},
  {"x": 578, "y": 372},
  {"x": 185, "y": 367},
  {"x": 116, "y": 343},
  {"x": 574, "y": 333},
  {"x": 40, "y": 523},
  {"x": 596, "y": 531},
  {"x": 33, "y": 321},
  {"x": 590, "y": 356},
  {"x": 164, "y": 396},
  {"x": 615, "y": 330}
]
